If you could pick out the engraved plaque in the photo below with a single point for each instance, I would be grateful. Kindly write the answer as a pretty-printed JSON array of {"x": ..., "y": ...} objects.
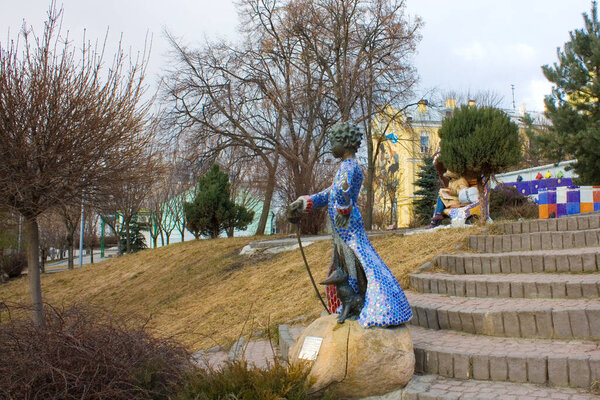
[{"x": 310, "y": 348}]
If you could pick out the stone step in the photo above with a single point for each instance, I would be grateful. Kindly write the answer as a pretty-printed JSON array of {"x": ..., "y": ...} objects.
[
  {"x": 571, "y": 223},
  {"x": 569, "y": 260},
  {"x": 543, "y": 362},
  {"x": 534, "y": 241},
  {"x": 531, "y": 286},
  {"x": 517, "y": 318},
  {"x": 435, "y": 387}
]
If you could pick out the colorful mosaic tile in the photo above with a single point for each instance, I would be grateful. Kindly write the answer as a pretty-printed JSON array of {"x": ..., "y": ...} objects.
[{"x": 385, "y": 302}]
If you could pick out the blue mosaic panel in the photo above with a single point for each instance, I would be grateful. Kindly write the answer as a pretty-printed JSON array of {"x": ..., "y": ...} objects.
[{"x": 385, "y": 301}]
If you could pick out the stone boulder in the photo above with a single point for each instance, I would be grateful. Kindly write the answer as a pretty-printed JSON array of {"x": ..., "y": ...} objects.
[{"x": 357, "y": 362}]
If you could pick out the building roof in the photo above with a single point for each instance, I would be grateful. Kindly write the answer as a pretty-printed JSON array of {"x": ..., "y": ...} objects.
[{"x": 433, "y": 114}]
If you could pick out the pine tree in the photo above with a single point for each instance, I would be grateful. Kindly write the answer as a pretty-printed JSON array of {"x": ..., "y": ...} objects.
[
  {"x": 212, "y": 210},
  {"x": 429, "y": 185},
  {"x": 574, "y": 107},
  {"x": 137, "y": 241},
  {"x": 478, "y": 142}
]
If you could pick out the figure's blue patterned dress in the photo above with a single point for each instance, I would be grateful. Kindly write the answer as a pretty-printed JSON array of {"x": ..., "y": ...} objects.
[{"x": 385, "y": 302}]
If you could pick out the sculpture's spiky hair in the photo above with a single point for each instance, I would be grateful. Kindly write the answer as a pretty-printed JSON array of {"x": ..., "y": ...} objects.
[{"x": 346, "y": 133}]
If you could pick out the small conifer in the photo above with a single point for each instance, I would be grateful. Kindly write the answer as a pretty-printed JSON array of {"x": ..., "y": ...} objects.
[
  {"x": 212, "y": 210},
  {"x": 478, "y": 142},
  {"x": 428, "y": 184}
]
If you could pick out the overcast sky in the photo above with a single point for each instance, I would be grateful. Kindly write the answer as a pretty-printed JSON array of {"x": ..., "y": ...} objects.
[{"x": 468, "y": 45}]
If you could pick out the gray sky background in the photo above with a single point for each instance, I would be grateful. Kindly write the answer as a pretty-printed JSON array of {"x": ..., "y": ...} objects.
[{"x": 467, "y": 45}]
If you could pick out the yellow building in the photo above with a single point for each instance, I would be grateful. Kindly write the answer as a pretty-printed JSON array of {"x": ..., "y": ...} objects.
[{"x": 403, "y": 139}]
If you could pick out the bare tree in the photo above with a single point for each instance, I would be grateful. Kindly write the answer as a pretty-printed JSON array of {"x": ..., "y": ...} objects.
[
  {"x": 154, "y": 203},
  {"x": 178, "y": 214},
  {"x": 67, "y": 126},
  {"x": 219, "y": 107},
  {"x": 483, "y": 97},
  {"x": 127, "y": 198},
  {"x": 52, "y": 235},
  {"x": 304, "y": 66},
  {"x": 70, "y": 215},
  {"x": 90, "y": 232}
]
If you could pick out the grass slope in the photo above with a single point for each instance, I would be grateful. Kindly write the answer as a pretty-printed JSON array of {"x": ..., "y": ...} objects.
[{"x": 204, "y": 293}]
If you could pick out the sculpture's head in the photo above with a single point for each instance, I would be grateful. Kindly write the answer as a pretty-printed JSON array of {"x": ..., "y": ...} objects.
[{"x": 344, "y": 138}]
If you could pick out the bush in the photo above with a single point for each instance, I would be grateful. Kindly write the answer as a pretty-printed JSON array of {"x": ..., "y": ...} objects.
[
  {"x": 13, "y": 264},
  {"x": 507, "y": 203},
  {"x": 86, "y": 354},
  {"x": 429, "y": 185},
  {"x": 240, "y": 381}
]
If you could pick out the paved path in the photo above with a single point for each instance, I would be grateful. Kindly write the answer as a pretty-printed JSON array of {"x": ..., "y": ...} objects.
[
  {"x": 258, "y": 353},
  {"x": 284, "y": 244},
  {"x": 56, "y": 266}
]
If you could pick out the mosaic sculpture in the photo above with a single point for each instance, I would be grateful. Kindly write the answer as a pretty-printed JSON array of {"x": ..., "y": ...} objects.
[{"x": 355, "y": 263}]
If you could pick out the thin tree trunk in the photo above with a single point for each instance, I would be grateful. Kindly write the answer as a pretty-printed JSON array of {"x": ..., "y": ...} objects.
[
  {"x": 483, "y": 206},
  {"x": 43, "y": 256},
  {"x": 264, "y": 215},
  {"x": 70, "y": 249},
  {"x": 33, "y": 270},
  {"x": 91, "y": 254},
  {"x": 128, "y": 239},
  {"x": 368, "y": 211}
]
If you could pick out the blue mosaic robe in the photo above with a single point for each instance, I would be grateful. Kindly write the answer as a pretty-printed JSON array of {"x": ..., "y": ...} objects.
[{"x": 385, "y": 302}]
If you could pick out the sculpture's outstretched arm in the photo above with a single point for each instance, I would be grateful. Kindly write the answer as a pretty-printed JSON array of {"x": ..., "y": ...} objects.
[{"x": 307, "y": 203}]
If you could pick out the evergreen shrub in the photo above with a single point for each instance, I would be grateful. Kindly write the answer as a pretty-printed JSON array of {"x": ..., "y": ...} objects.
[{"x": 428, "y": 184}]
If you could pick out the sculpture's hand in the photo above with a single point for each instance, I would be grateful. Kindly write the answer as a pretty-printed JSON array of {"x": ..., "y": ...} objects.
[
  {"x": 297, "y": 205},
  {"x": 341, "y": 221},
  {"x": 295, "y": 211}
]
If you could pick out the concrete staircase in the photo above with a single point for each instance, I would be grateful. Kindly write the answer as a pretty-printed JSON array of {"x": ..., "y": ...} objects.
[{"x": 521, "y": 313}]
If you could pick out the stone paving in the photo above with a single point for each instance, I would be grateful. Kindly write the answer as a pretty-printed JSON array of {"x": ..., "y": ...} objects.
[
  {"x": 432, "y": 387},
  {"x": 259, "y": 353},
  {"x": 211, "y": 359}
]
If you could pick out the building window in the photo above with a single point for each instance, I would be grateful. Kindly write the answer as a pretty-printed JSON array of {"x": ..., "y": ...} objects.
[{"x": 425, "y": 149}]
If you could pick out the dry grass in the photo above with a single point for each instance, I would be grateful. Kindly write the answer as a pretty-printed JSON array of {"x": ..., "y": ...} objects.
[{"x": 203, "y": 292}]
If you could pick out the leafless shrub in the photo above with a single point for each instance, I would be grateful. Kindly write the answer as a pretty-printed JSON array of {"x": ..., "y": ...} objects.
[{"x": 84, "y": 353}]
